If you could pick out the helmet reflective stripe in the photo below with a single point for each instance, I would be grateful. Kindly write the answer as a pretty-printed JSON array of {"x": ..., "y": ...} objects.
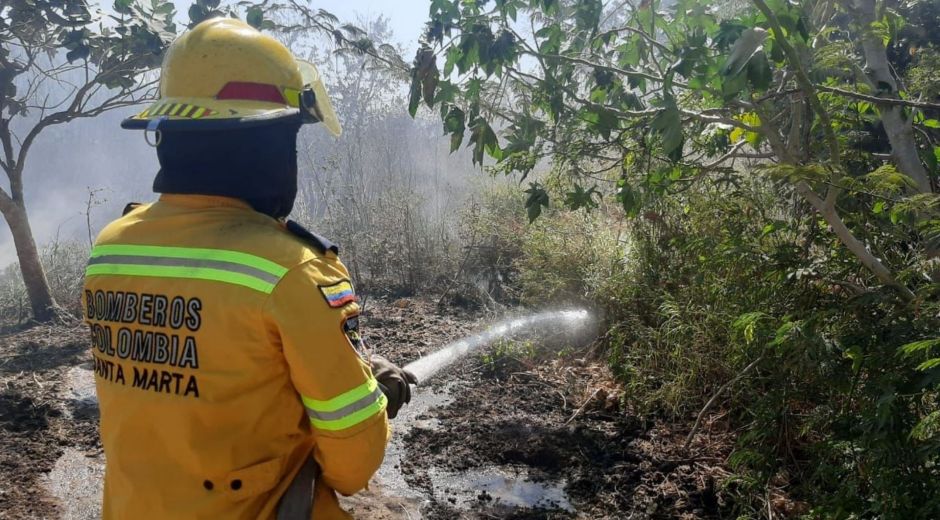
[
  {"x": 348, "y": 409},
  {"x": 239, "y": 77},
  {"x": 218, "y": 265}
]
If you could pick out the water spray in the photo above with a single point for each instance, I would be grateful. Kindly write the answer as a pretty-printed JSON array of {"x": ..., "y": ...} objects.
[{"x": 431, "y": 364}]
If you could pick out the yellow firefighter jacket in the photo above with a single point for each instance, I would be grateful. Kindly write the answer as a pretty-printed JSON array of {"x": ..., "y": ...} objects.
[{"x": 225, "y": 355}]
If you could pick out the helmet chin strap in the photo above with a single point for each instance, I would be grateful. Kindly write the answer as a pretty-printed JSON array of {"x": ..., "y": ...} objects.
[{"x": 153, "y": 127}]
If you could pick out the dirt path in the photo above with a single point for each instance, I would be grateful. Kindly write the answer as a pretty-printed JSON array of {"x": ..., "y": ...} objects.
[{"x": 527, "y": 429}]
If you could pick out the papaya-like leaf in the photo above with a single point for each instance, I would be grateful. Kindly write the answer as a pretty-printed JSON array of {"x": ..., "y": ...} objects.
[
  {"x": 668, "y": 124},
  {"x": 536, "y": 200},
  {"x": 745, "y": 47},
  {"x": 255, "y": 17}
]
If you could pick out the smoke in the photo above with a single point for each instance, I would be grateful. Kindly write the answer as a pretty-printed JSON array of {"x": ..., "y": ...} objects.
[
  {"x": 66, "y": 162},
  {"x": 93, "y": 166}
]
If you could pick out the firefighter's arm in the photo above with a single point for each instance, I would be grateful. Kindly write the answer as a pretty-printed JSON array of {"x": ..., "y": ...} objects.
[{"x": 312, "y": 307}]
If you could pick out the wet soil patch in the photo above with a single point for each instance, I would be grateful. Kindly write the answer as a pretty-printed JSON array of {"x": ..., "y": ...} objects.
[
  {"x": 560, "y": 423},
  {"x": 406, "y": 329},
  {"x": 35, "y": 427},
  {"x": 556, "y": 422}
]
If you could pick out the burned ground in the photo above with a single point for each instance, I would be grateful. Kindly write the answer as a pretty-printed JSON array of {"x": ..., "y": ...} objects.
[
  {"x": 563, "y": 420},
  {"x": 36, "y": 426},
  {"x": 551, "y": 417}
]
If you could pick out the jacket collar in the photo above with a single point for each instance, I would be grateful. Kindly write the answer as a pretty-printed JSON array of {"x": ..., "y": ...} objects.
[{"x": 203, "y": 201}]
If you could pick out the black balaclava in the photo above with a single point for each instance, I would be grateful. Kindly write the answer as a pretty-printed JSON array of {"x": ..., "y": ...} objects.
[{"x": 257, "y": 165}]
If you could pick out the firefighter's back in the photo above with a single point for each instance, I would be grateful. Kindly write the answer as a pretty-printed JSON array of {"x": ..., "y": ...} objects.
[{"x": 195, "y": 394}]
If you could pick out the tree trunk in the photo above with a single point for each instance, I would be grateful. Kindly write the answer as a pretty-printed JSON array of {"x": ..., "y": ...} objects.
[
  {"x": 845, "y": 235},
  {"x": 34, "y": 277},
  {"x": 898, "y": 126}
]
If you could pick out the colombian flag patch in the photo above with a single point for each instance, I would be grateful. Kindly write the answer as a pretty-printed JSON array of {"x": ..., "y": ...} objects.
[{"x": 338, "y": 294}]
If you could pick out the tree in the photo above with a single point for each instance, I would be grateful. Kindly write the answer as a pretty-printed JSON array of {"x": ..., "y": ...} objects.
[
  {"x": 59, "y": 61},
  {"x": 643, "y": 101}
]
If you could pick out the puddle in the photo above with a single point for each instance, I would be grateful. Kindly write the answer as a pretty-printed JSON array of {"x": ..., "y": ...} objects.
[
  {"x": 78, "y": 393},
  {"x": 76, "y": 481},
  {"x": 497, "y": 486},
  {"x": 414, "y": 415}
]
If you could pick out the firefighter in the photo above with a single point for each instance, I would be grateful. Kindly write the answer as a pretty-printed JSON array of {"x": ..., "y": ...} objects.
[{"x": 229, "y": 366}]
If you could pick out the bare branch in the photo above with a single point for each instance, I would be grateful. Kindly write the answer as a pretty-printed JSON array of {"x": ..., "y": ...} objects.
[
  {"x": 7, "y": 143},
  {"x": 649, "y": 39},
  {"x": 805, "y": 85},
  {"x": 719, "y": 119},
  {"x": 878, "y": 100},
  {"x": 845, "y": 235},
  {"x": 608, "y": 68}
]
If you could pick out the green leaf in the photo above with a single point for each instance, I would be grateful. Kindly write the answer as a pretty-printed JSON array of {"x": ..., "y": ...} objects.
[
  {"x": 453, "y": 55},
  {"x": 916, "y": 347},
  {"x": 414, "y": 97},
  {"x": 78, "y": 53},
  {"x": 927, "y": 365},
  {"x": 745, "y": 47},
  {"x": 197, "y": 13},
  {"x": 603, "y": 120},
  {"x": 483, "y": 140},
  {"x": 255, "y": 17},
  {"x": 123, "y": 6},
  {"x": 732, "y": 85},
  {"x": 668, "y": 124},
  {"x": 629, "y": 199},
  {"x": 759, "y": 73},
  {"x": 581, "y": 198},
  {"x": 537, "y": 199},
  {"x": 932, "y": 123},
  {"x": 927, "y": 428},
  {"x": 454, "y": 124}
]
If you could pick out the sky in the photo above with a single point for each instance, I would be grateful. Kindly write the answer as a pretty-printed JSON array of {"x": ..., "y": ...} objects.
[
  {"x": 407, "y": 17},
  {"x": 68, "y": 161}
]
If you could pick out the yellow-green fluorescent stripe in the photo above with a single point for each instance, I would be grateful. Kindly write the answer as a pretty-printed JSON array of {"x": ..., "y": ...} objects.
[
  {"x": 345, "y": 399},
  {"x": 187, "y": 110},
  {"x": 354, "y": 418},
  {"x": 195, "y": 273},
  {"x": 176, "y": 108},
  {"x": 292, "y": 96},
  {"x": 193, "y": 253}
]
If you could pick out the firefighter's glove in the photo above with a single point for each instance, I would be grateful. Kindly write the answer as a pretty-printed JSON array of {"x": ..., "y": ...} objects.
[{"x": 394, "y": 382}]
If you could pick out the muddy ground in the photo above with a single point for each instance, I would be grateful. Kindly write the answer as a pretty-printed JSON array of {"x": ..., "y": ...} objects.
[{"x": 534, "y": 428}]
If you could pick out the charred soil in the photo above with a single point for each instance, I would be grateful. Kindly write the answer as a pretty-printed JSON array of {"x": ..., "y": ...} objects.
[
  {"x": 36, "y": 426},
  {"x": 552, "y": 419}
]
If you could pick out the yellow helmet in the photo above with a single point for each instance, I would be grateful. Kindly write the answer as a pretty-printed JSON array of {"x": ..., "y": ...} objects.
[{"x": 224, "y": 73}]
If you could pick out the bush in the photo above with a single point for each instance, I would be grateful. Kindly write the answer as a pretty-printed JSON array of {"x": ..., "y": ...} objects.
[
  {"x": 491, "y": 230},
  {"x": 569, "y": 255},
  {"x": 717, "y": 279},
  {"x": 390, "y": 245},
  {"x": 64, "y": 262}
]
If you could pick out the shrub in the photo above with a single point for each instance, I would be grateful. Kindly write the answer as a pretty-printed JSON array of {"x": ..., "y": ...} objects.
[
  {"x": 64, "y": 262},
  {"x": 720, "y": 278}
]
